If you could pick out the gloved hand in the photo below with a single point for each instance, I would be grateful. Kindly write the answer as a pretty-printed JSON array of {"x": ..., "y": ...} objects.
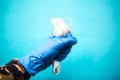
[
  {"x": 42, "y": 58},
  {"x": 64, "y": 52},
  {"x": 61, "y": 56}
]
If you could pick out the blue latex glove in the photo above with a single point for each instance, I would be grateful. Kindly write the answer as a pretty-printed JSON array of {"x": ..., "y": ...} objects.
[{"x": 42, "y": 58}]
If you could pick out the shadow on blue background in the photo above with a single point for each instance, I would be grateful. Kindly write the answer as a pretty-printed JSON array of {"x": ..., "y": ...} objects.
[{"x": 25, "y": 25}]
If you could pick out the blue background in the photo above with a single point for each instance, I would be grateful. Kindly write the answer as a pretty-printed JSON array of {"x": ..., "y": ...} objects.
[{"x": 25, "y": 25}]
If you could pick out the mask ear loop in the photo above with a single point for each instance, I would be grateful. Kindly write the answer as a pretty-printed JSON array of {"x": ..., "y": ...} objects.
[{"x": 70, "y": 21}]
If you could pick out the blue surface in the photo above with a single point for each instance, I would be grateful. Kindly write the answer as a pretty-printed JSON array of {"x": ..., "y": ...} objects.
[{"x": 25, "y": 25}]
